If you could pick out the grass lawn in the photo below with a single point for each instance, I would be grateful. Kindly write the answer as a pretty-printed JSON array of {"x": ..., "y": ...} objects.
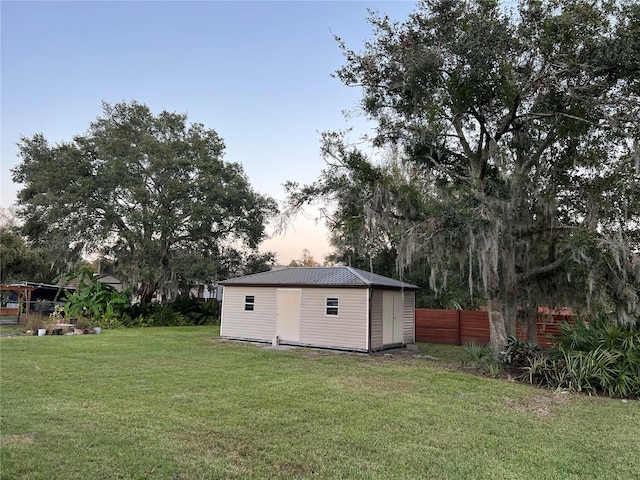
[{"x": 178, "y": 403}]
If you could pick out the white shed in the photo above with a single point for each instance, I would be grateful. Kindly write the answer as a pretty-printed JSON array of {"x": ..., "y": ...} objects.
[{"x": 330, "y": 307}]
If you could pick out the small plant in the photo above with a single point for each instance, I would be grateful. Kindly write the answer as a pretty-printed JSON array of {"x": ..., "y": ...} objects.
[
  {"x": 481, "y": 358},
  {"x": 109, "y": 323},
  {"x": 4, "y": 298},
  {"x": 43, "y": 307},
  {"x": 493, "y": 368},
  {"x": 57, "y": 316},
  {"x": 84, "y": 323},
  {"x": 518, "y": 352},
  {"x": 477, "y": 351},
  {"x": 33, "y": 323}
]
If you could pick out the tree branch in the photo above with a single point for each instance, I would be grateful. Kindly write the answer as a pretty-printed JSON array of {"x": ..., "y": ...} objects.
[{"x": 540, "y": 270}]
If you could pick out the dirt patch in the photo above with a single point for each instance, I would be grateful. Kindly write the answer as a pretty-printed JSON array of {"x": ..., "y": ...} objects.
[
  {"x": 17, "y": 440},
  {"x": 540, "y": 405}
]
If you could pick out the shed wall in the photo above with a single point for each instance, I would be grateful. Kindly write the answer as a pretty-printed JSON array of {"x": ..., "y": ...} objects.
[
  {"x": 259, "y": 324},
  {"x": 348, "y": 329},
  {"x": 376, "y": 320},
  {"x": 409, "y": 318}
]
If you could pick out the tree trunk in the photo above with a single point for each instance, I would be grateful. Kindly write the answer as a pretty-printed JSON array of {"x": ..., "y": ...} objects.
[
  {"x": 509, "y": 312},
  {"x": 146, "y": 293},
  {"x": 530, "y": 325},
  {"x": 497, "y": 329},
  {"x": 491, "y": 279}
]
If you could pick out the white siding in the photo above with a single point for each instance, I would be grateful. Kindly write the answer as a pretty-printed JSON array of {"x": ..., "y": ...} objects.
[
  {"x": 346, "y": 330},
  {"x": 409, "y": 317},
  {"x": 259, "y": 324}
]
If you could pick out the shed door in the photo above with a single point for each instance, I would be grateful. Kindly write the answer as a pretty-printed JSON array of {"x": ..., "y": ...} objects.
[
  {"x": 392, "y": 310},
  {"x": 288, "y": 314}
]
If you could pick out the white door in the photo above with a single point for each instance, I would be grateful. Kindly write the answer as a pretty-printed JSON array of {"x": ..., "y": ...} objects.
[
  {"x": 392, "y": 310},
  {"x": 288, "y": 314}
]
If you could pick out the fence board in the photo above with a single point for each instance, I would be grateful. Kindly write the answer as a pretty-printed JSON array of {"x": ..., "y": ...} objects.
[
  {"x": 437, "y": 326},
  {"x": 474, "y": 326},
  {"x": 456, "y": 327}
]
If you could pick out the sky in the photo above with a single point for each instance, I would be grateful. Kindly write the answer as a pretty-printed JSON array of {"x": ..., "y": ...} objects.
[{"x": 257, "y": 72}]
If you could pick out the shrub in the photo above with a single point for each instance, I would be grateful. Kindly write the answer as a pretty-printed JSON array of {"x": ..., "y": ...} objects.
[
  {"x": 199, "y": 313},
  {"x": 482, "y": 358},
  {"x": 165, "y": 316},
  {"x": 477, "y": 351},
  {"x": 183, "y": 311},
  {"x": 518, "y": 352},
  {"x": 33, "y": 322},
  {"x": 44, "y": 307},
  {"x": 96, "y": 300},
  {"x": 596, "y": 357}
]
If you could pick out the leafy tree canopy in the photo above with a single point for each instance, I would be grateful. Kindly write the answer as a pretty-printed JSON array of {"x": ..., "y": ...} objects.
[
  {"x": 24, "y": 260},
  {"x": 516, "y": 143},
  {"x": 144, "y": 190},
  {"x": 307, "y": 260}
]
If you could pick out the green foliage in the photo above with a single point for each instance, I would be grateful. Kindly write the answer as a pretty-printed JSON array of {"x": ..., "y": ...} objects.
[
  {"x": 149, "y": 192},
  {"x": 109, "y": 322},
  {"x": 595, "y": 358},
  {"x": 164, "y": 316},
  {"x": 44, "y": 307},
  {"x": 34, "y": 261},
  {"x": 182, "y": 312},
  {"x": 518, "y": 352},
  {"x": 198, "y": 313},
  {"x": 95, "y": 300},
  {"x": 15, "y": 256},
  {"x": 482, "y": 358},
  {"x": 505, "y": 145},
  {"x": 477, "y": 351}
]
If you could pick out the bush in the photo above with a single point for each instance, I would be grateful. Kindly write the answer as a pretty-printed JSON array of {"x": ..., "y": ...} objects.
[
  {"x": 518, "y": 352},
  {"x": 477, "y": 351},
  {"x": 199, "y": 313},
  {"x": 184, "y": 311},
  {"x": 165, "y": 316},
  {"x": 482, "y": 358},
  {"x": 596, "y": 357},
  {"x": 96, "y": 300},
  {"x": 33, "y": 322}
]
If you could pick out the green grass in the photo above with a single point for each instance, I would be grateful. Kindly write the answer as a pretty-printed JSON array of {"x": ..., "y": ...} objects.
[
  {"x": 11, "y": 330},
  {"x": 178, "y": 403}
]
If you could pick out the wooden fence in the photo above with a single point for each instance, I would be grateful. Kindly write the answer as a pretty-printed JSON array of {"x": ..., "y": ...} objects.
[{"x": 457, "y": 327}]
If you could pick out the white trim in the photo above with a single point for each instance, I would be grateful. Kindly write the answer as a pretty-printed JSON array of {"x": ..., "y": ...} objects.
[
  {"x": 327, "y": 306},
  {"x": 253, "y": 303},
  {"x": 367, "y": 318}
]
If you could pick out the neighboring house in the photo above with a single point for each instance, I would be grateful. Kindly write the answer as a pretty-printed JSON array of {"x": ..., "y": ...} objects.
[
  {"x": 110, "y": 280},
  {"x": 36, "y": 297},
  {"x": 207, "y": 293},
  {"x": 331, "y": 307},
  {"x": 102, "y": 278}
]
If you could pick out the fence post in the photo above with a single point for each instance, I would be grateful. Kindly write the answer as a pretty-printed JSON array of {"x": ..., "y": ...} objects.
[{"x": 459, "y": 332}]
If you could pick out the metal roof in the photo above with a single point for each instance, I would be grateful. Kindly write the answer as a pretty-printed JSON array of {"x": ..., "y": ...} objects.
[{"x": 320, "y": 277}]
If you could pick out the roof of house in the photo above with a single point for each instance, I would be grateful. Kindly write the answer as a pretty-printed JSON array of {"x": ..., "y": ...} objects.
[
  {"x": 75, "y": 281},
  {"x": 319, "y": 277}
]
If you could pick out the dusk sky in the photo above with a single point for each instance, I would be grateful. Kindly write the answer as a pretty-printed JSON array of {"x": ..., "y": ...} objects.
[{"x": 259, "y": 73}]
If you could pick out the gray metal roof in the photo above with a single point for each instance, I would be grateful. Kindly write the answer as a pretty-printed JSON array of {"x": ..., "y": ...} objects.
[{"x": 320, "y": 277}]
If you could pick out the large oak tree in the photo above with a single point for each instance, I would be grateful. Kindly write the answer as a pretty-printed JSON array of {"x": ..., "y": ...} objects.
[
  {"x": 518, "y": 132},
  {"x": 151, "y": 192}
]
